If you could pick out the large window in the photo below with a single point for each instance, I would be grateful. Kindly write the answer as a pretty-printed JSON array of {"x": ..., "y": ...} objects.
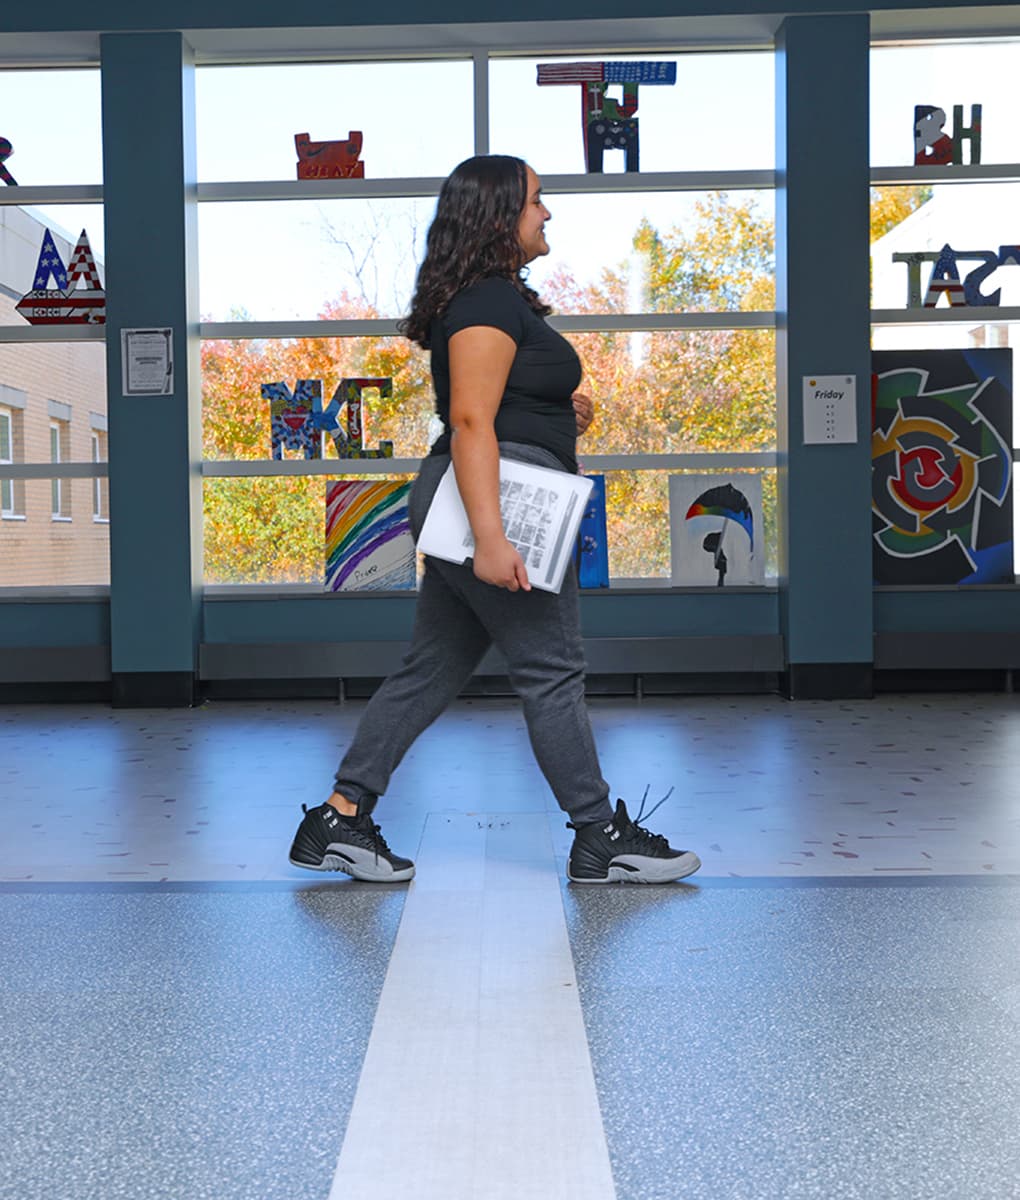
[
  {"x": 51, "y": 377},
  {"x": 969, "y": 206},
  {"x": 663, "y": 278}
]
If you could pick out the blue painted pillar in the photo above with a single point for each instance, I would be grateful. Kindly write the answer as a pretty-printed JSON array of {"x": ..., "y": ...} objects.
[
  {"x": 155, "y": 441},
  {"x": 822, "y": 245}
]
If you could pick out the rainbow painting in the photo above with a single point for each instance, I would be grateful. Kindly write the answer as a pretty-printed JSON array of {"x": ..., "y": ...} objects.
[{"x": 369, "y": 546}]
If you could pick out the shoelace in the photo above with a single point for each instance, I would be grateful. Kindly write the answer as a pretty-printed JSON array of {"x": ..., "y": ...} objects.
[
  {"x": 642, "y": 815},
  {"x": 379, "y": 845}
]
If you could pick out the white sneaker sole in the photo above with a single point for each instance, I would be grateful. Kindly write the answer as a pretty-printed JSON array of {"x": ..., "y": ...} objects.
[
  {"x": 358, "y": 863},
  {"x": 634, "y": 868}
]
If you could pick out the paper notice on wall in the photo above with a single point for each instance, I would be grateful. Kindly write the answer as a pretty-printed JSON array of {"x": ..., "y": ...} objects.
[
  {"x": 830, "y": 409},
  {"x": 147, "y": 362}
]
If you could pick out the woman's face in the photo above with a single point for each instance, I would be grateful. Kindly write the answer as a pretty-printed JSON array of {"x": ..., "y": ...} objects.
[{"x": 531, "y": 230}]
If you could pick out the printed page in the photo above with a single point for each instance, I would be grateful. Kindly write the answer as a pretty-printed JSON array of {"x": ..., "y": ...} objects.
[{"x": 541, "y": 511}]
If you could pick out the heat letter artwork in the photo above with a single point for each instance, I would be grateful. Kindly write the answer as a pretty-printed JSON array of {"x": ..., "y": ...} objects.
[
  {"x": 67, "y": 303},
  {"x": 369, "y": 546},
  {"x": 607, "y": 123},
  {"x": 942, "y": 505},
  {"x": 329, "y": 160}
]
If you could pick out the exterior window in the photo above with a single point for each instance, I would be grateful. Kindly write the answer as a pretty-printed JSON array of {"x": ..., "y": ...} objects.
[
  {"x": 100, "y": 490},
  {"x": 6, "y": 457},
  {"x": 60, "y": 489}
]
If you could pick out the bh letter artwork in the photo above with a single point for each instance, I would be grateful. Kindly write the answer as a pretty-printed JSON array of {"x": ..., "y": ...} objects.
[
  {"x": 942, "y": 505},
  {"x": 298, "y": 420},
  {"x": 933, "y": 147},
  {"x": 608, "y": 124},
  {"x": 67, "y": 303},
  {"x": 329, "y": 160}
]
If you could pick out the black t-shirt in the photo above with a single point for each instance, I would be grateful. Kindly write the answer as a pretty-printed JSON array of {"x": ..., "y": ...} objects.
[{"x": 536, "y": 407}]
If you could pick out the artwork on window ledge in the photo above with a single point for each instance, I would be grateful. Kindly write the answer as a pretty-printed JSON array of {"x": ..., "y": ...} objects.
[
  {"x": 608, "y": 123},
  {"x": 715, "y": 530},
  {"x": 944, "y": 279},
  {"x": 592, "y": 547},
  {"x": 369, "y": 546},
  {"x": 297, "y": 419},
  {"x": 67, "y": 303},
  {"x": 933, "y": 147},
  {"x": 6, "y": 150},
  {"x": 330, "y": 160},
  {"x": 942, "y": 502},
  {"x": 350, "y": 443}
]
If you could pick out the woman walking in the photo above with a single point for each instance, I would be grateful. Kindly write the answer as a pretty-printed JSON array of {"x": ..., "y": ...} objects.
[{"x": 505, "y": 384}]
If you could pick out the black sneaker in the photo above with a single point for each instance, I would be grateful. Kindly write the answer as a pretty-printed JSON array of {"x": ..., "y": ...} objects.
[
  {"x": 328, "y": 841},
  {"x": 621, "y": 851}
]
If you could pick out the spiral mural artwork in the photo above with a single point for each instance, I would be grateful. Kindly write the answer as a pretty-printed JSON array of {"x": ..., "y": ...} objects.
[{"x": 942, "y": 436}]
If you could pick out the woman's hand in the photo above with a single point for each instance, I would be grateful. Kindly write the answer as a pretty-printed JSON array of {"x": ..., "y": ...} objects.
[
  {"x": 496, "y": 561},
  {"x": 584, "y": 411}
]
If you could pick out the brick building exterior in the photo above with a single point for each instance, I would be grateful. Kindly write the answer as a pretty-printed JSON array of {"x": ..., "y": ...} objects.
[{"x": 52, "y": 409}]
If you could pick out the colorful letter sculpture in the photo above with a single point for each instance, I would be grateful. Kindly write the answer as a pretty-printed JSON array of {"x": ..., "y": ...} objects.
[
  {"x": 296, "y": 418},
  {"x": 945, "y": 275},
  {"x": 713, "y": 519},
  {"x": 351, "y": 443},
  {"x": 941, "y": 466},
  {"x": 592, "y": 548},
  {"x": 329, "y": 160},
  {"x": 65, "y": 304},
  {"x": 932, "y": 147},
  {"x": 6, "y": 150},
  {"x": 608, "y": 124},
  {"x": 369, "y": 546}
]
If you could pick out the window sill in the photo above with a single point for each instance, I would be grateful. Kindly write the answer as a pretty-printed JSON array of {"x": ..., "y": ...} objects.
[
  {"x": 60, "y": 520},
  {"x": 10, "y": 516},
  {"x": 100, "y": 520}
]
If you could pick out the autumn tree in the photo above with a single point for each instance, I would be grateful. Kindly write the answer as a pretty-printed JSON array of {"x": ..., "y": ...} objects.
[
  {"x": 271, "y": 529},
  {"x": 678, "y": 391},
  {"x": 891, "y": 205}
]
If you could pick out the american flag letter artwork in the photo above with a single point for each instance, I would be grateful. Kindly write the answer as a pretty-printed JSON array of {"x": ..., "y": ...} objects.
[{"x": 66, "y": 303}]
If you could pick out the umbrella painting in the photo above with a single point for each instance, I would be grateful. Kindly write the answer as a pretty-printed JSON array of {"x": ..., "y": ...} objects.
[{"x": 711, "y": 549}]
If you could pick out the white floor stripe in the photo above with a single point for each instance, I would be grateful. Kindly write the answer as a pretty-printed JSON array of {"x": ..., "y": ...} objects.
[{"x": 477, "y": 1082}]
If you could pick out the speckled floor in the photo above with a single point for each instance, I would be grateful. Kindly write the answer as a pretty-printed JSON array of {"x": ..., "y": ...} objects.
[{"x": 831, "y": 1008}]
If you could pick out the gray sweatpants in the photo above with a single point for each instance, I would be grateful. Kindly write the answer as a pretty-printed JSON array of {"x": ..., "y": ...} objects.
[{"x": 456, "y": 619}]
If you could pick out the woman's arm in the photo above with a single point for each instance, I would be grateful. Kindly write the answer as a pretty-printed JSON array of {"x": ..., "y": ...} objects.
[{"x": 480, "y": 361}]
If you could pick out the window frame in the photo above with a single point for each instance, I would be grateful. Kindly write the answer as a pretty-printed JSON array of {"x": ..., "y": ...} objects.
[
  {"x": 7, "y": 508},
  {"x": 705, "y": 181}
]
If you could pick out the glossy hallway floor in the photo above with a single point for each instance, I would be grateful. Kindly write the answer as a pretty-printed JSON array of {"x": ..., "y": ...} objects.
[{"x": 830, "y": 1008}]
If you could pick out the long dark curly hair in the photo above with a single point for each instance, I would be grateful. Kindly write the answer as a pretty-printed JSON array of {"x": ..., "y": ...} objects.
[{"x": 473, "y": 235}]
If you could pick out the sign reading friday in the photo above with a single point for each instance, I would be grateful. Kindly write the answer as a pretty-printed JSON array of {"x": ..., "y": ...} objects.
[{"x": 830, "y": 409}]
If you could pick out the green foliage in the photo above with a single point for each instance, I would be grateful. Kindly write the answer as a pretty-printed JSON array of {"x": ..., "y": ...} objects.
[{"x": 678, "y": 391}]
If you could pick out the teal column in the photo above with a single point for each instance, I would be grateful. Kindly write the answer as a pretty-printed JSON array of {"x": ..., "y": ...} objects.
[
  {"x": 155, "y": 441},
  {"x": 823, "y": 302}
]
